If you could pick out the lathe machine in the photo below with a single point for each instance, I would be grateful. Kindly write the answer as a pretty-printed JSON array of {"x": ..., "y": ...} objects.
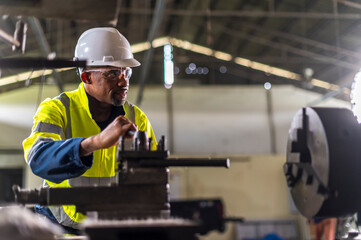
[{"x": 137, "y": 205}]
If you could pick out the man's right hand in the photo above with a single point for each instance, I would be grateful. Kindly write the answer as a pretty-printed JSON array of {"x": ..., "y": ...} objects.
[{"x": 108, "y": 137}]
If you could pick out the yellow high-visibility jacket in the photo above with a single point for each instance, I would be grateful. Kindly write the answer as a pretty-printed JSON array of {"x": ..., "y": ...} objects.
[{"x": 52, "y": 149}]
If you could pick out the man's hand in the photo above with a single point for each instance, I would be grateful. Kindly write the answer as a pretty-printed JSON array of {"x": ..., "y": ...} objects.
[{"x": 108, "y": 137}]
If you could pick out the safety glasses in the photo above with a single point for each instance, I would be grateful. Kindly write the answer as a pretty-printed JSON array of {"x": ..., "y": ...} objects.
[{"x": 114, "y": 74}]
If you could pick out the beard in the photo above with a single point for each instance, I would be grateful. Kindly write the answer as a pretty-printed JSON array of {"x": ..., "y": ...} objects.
[
  {"x": 116, "y": 101},
  {"x": 118, "y": 98}
]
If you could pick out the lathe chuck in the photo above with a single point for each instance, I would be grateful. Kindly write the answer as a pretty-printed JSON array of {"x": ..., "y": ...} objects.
[{"x": 323, "y": 168}]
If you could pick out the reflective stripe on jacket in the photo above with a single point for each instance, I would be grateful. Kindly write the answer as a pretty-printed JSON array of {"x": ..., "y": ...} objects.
[{"x": 67, "y": 116}]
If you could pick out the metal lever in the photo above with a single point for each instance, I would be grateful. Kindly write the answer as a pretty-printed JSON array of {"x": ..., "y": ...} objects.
[
  {"x": 186, "y": 162},
  {"x": 20, "y": 36}
]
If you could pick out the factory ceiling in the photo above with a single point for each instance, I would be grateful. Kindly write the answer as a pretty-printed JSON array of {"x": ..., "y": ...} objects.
[{"x": 313, "y": 44}]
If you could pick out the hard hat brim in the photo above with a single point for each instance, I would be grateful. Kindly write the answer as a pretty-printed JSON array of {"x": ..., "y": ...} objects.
[{"x": 120, "y": 63}]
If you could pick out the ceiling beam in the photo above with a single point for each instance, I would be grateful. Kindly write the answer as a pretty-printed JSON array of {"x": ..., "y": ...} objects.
[
  {"x": 286, "y": 26},
  {"x": 303, "y": 40},
  {"x": 219, "y": 40},
  {"x": 294, "y": 50},
  {"x": 186, "y": 23},
  {"x": 93, "y": 10},
  {"x": 261, "y": 22},
  {"x": 350, "y": 4},
  {"x": 243, "y": 14}
]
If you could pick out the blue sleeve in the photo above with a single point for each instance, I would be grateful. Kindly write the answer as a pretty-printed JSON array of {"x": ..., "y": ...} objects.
[{"x": 57, "y": 161}]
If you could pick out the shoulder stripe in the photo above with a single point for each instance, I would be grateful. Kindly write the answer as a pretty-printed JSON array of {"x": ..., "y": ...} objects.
[{"x": 48, "y": 128}]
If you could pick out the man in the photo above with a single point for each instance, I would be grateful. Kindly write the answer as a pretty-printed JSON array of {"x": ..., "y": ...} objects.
[{"x": 75, "y": 135}]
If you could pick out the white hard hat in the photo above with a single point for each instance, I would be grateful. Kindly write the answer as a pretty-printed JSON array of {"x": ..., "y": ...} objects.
[{"x": 105, "y": 46}]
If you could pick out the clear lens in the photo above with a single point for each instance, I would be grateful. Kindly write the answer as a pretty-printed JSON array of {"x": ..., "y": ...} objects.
[
  {"x": 114, "y": 74},
  {"x": 128, "y": 73}
]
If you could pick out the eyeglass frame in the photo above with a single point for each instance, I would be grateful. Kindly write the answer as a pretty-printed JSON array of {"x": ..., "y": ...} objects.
[{"x": 123, "y": 70}]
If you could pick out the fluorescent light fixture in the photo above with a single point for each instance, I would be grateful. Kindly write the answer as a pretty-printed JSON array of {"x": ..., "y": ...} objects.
[
  {"x": 201, "y": 49},
  {"x": 323, "y": 84},
  {"x": 168, "y": 74},
  {"x": 192, "y": 47},
  {"x": 267, "y": 68},
  {"x": 222, "y": 56},
  {"x": 140, "y": 47},
  {"x": 21, "y": 77},
  {"x": 159, "y": 42},
  {"x": 168, "y": 66}
]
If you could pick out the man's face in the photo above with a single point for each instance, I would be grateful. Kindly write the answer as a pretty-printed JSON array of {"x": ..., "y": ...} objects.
[{"x": 109, "y": 84}]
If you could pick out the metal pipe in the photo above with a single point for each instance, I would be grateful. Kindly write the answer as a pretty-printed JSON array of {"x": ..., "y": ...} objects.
[
  {"x": 44, "y": 45},
  {"x": 8, "y": 38},
  {"x": 21, "y": 29},
  {"x": 326, "y": 96},
  {"x": 170, "y": 120},
  {"x": 271, "y": 122}
]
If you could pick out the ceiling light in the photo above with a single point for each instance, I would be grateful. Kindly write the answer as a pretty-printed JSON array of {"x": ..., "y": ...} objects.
[
  {"x": 140, "y": 47},
  {"x": 267, "y": 85},
  {"x": 205, "y": 70},
  {"x": 223, "y": 69},
  {"x": 168, "y": 66},
  {"x": 222, "y": 56},
  {"x": 192, "y": 66}
]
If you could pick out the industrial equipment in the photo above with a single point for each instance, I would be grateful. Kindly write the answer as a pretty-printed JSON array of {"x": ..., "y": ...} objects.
[
  {"x": 140, "y": 192},
  {"x": 323, "y": 168},
  {"x": 209, "y": 212},
  {"x": 324, "y": 162}
]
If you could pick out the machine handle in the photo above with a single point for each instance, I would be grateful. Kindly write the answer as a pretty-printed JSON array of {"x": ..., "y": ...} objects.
[
  {"x": 187, "y": 162},
  {"x": 25, "y": 196}
]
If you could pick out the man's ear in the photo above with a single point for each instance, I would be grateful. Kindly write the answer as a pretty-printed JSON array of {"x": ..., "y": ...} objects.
[{"x": 85, "y": 77}]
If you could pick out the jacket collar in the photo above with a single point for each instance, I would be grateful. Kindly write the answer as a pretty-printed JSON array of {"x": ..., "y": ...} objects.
[{"x": 83, "y": 98}]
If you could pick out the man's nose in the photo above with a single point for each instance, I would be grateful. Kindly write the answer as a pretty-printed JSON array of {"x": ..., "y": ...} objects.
[{"x": 122, "y": 82}]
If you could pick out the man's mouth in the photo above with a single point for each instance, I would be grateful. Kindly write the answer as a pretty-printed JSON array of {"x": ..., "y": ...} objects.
[{"x": 122, "y": 92}]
